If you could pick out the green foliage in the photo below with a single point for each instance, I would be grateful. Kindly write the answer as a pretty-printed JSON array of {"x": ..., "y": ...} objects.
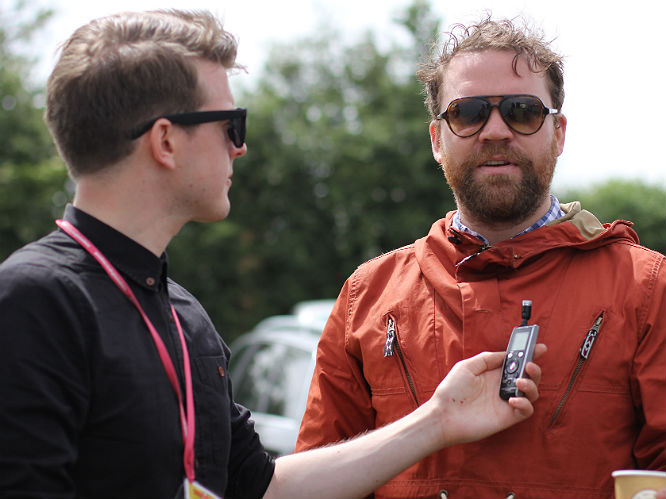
[
  {"x": 23, "y": 136},
  {"x": 632, "y": 200},
  {"x": 32, "y": 179},
  {"x": 32, "y": 195},
  {"x": 338, "y": 170}
]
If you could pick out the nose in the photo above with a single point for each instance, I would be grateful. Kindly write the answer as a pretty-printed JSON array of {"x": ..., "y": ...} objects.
[
  {"x": 237, "y": 152},
  {"x": 495, "y": 128}
]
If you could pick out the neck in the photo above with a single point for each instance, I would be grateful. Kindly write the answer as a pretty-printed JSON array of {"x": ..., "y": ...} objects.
[
  {"x": 134, "y": 212},
  {"x": 497, "y": 232}
]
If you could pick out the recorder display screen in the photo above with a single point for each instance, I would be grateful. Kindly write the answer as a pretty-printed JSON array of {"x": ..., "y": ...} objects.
[{"x": 519, "y": 340}]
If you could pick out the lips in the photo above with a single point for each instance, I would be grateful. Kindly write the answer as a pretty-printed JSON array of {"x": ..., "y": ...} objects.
[
  {"x": 496, "y": 163},
  {"x": 498, "y": 156}
]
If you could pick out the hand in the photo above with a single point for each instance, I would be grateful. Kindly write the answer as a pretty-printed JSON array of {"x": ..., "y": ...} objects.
[{"x": 469, "y": 401}]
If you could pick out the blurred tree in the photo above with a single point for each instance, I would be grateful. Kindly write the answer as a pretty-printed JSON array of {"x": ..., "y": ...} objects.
[
  {"x": 338, "y": 170},
  {"x": 32, "y": 179},
  {"x": 23, "y": 136},
  {"x": 633, "y": 200}
]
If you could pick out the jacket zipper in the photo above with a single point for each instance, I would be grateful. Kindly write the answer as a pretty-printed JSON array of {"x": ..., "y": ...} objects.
[
  {"x": 584, "y": 353},
  {"x": 467, "y": 258},
  {"x": 392, "y": 345}
]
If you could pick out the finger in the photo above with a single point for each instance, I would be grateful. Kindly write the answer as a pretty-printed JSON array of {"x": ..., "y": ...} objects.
[
  {"x": 522, "y": 407},
  {"x": 529, "y": 388},
  {"x": 534, "y": 372},
  {"x": 485, "y": 361},
  {"x": 539, "y": 350}
]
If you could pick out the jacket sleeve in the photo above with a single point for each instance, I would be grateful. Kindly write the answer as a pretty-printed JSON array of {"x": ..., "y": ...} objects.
[
  {"x": 339, "y": 404},
  {"x": 649, "y": 374}
]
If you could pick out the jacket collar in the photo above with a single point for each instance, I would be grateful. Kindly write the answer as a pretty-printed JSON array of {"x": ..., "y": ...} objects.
[{"x": 445, "y": 248}]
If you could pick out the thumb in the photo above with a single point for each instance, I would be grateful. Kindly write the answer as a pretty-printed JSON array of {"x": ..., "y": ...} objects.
[{"x": 484, "y": 361}]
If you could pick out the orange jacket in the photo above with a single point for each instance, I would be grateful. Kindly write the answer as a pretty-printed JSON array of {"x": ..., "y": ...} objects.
[{"x": 403, "y": 319}]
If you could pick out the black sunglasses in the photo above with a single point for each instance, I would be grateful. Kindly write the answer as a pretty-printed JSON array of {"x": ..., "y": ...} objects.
[
  {"x": 236, "y": 117},
  {"x": 524, "y": 114}
]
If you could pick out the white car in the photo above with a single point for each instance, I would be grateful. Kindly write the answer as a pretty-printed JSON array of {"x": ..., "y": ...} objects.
[{"x": 271, "y": 368}]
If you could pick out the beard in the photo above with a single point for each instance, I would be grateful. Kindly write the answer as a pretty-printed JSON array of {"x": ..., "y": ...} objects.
[{"x": 501, "y": 198}]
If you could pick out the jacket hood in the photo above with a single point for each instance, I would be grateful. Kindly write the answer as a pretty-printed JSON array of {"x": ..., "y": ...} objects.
[{"x": 447, "y": 248}]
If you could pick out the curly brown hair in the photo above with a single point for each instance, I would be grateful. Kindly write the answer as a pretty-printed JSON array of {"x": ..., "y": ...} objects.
[
  {"x": 492, "y": 35},
  {"x": 118, "y": 71}
]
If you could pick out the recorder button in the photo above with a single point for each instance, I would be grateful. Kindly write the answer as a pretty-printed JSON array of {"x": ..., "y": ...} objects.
[{"x": 513, "y": 366}]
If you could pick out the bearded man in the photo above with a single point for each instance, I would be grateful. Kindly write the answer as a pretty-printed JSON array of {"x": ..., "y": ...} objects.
[{"x": 402, "y": 320}]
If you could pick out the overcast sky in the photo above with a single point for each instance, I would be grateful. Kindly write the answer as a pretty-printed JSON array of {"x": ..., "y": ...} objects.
[{"x": 614, "y": 61}]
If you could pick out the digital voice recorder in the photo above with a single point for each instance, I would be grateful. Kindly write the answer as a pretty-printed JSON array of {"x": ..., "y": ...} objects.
[{"x": 518, "y": 353}]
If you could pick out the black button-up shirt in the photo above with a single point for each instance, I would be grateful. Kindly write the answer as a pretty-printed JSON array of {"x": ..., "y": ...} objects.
[{"x": 86, "y": 408}]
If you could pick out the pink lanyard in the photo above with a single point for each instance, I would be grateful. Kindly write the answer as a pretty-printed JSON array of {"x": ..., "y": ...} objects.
[{"x": 186, "y": 418}]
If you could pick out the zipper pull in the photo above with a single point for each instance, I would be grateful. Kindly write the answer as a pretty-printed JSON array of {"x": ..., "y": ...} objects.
[
  {"x": 591, "y": 337},
  {"x": 390, "y": 338}
]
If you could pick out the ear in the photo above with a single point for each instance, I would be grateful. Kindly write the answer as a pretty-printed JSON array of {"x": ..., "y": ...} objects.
[
  {"x": 436, "y": 140},
  {"x": 560, "y": 131},
  {"x": 162, "y": 143}
]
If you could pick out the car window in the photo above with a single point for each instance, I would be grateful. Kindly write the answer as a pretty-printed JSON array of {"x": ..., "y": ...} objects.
[{"x": 273, "y": 379}]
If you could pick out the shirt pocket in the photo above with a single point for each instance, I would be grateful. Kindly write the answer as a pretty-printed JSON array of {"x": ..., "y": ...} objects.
[
  {"x": 399, "y": 363},
  {"x": 393, "y": 347},
  {"x": 212, "y": 408},
  {"x": 598, "y": 375}
]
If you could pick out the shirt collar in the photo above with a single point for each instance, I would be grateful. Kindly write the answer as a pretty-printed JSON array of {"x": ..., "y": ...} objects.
[
  {"x": 128, "y": 256},
  {"x": 553, "y": 213}
]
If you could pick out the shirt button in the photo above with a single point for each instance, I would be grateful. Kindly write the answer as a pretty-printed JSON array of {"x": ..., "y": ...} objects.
[{"x": 150, "y": 281}]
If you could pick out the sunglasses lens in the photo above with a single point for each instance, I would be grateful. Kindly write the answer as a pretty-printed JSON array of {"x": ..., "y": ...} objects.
[
  {"x": 466, "y": 116},
  {"x": 236, "y": 131},
  {"x": 524, "y": 113}
]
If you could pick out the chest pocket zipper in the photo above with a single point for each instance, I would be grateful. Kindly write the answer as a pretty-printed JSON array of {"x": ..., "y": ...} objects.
[
  {"x": 391, "y": 346},
  {"x": 584, "y": 353}
]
